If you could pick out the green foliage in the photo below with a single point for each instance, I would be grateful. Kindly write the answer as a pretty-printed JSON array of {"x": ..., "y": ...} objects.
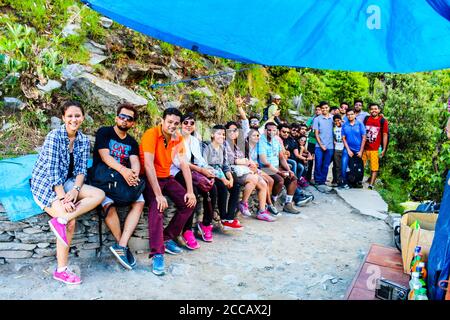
[{"x": 167, "y": 48}]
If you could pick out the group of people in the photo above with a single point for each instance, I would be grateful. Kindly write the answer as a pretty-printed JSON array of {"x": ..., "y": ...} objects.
[{"x": 241, "y": 157}]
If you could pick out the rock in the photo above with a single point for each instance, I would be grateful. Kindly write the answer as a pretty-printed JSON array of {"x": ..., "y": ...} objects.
[
  {"x": 103, "y": 93},
  {"x": 55, "y": 122},
  {"x": 15, "y": 254},
  {"x": 138, "y": 68},
  {"x": 7, "y": 126},
  {"x": 2, "y": 261},
  {"x": 32, "y": 230},
  {"x": 223, "y": 81},
  {"x": 93, "y": 48},
  {"x": 36, "y": 238},
  {"x": 50, "y": 86},
  {"x": 205, "y": 91},
  {"x": 13, "y": 103},
  {"x": 5, "y": 237},
  {"x": 172, "y": 104},
  {"x": 72, "y": 71},
  {"x": 106, "y": 22},
  {"x": 43, "y": 245},
  {"x": 334, "y": 281},
  {"x": 87, "y": 253},
  {"x": 173, "y": 64},
  {"x": 45, "y": 252},
  {"x": 97, "y": 58},
  {"x": 16, "y": 246},
  {"x": 70, "y": 29},
  {"x": 12, "y": 226}
]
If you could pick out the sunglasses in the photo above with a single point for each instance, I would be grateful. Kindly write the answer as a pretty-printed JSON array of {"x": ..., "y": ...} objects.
[
  {"x": 284, "y": 131},
  {"x": 188, "y": 122},
  {"x": 125, "y": 117}
]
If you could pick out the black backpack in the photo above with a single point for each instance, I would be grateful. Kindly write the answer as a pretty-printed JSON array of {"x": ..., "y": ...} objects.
[
  {"x": 382, "y": 123},
  {"x": 356, "y": 173}
]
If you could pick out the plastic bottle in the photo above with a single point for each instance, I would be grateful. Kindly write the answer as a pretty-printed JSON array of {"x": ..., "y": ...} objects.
[
  {"x": 420, "y": 294},
  {"x": 416, "y": 258},
  {"x": 414, "y": 284},
  {"x": 424, "y": 270},
  {"x": 419, "y": 270}
]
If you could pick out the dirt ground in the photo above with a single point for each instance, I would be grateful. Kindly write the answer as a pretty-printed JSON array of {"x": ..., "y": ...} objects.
[{"x": 313, "y": 255}]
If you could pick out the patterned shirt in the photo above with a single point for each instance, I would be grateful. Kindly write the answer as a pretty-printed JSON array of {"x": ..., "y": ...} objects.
[
  {"x": 52, "y": 165},
  {"x": 271, "y": 149}
]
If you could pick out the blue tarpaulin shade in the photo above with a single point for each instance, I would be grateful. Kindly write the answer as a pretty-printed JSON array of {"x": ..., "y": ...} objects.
[{"x": 354, "y": 35}]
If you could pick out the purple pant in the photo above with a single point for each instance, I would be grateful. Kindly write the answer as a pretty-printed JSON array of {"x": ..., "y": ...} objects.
[{"x": 173, "y": 189}]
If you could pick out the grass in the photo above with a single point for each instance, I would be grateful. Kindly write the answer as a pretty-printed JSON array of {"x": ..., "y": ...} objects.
[{"x": 393, "y": 191}]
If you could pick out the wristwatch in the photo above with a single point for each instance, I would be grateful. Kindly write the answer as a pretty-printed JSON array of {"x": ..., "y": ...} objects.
[{"x": 77, "y": 188}]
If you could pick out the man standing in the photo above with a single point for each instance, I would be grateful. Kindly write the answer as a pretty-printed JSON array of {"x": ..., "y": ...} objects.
[
  {"x": 354, "y": 138},
  {"x": 120, "y": 151},
  {"x": 158, "y": 147},
  {"x": 323, "y": 130},
  {"x": 272, "y": 112},
  {"x": 312, "y": 141},
  {"x": 360, "y": 115},
  {"x": 273, "y": 162},
  {"x": 343, "y": 110},
  {"x": 377, "y": 129}
]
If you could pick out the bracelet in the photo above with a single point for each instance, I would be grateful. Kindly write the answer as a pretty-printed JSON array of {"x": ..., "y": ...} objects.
[{"x": 60, "y": 199}]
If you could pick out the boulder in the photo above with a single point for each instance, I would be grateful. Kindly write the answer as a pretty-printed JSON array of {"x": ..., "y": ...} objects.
[
  {"x": 103, "y": 93},
  {"x": 16, "y": 246},
  {"x": 50, "y": 86},
  {"x": 13, "y": 104},
  {"x": 15, "y": 254},
  {"x": 72, "y": 71},
  {"x": 46, "y": 252},
  {"x": 5, "y": 237},
  {"x": 32, "y": 230},
  {"x": 12, "y": 226}
]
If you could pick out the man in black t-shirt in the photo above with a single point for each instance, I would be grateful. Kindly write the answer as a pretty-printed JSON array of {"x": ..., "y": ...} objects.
[{"x": 120, "y": 151}]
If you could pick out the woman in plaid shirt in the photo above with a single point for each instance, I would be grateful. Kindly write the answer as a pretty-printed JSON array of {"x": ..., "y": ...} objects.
[{"x": 57, "y": 183}]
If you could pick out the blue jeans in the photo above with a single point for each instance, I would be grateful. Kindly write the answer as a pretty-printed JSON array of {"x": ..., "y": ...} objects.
[
  {"x": 322, "y": 163},
  {"x": 345, "y": 158},
  {"x": 296, "y": 167}
]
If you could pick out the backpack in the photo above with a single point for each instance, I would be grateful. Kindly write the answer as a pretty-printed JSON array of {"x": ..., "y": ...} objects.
[
  {"x": 356, "y": 173},
  {"x": 265, "y": 114},
  {"x": 382, "y": 122}
]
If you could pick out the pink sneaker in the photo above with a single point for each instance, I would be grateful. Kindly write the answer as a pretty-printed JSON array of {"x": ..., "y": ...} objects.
[
  {"x": 265, "y": 216},
  {"x": 67, "y": 276},
  {"x": 191, "y": 242},
  {"x": 243, "y": 208},
  {"x": 206, "y": 232},
  {"x": 59, "y": 230}
]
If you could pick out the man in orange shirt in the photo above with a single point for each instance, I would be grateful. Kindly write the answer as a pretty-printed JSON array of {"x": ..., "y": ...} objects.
[{"x": 158, "y": 148}]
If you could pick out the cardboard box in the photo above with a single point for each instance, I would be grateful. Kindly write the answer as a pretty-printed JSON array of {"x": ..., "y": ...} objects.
[{"x": 410, "y": 238}]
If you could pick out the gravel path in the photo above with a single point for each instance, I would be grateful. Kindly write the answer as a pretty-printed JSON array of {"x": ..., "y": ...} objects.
[{"x": 313, "y": 255}]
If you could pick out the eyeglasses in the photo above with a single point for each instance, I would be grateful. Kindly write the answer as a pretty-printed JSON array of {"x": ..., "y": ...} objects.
[
  {"x": 125, "y": 117},
  {"x": 188, "y": 123},
  {"x": 284, "y": 131}
]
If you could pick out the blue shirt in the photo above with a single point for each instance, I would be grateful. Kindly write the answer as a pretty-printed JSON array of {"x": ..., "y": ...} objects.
[
  {"x": 52, "y": 165},
  {"x": 361, "y": 116},
  {"x": 270, "y": 149},
  {"x": 325, "y": 127},
  {"x": 354, "y": 134}
]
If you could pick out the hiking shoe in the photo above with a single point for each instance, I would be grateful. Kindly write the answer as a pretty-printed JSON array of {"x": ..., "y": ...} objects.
[
  {"x": 273, "y": 210},
  {"x": 171, "y": 247},
  {"x": 232, "y": 225},
  {"x": 370, "y": 187},
  {"x": 243, "y": 208},
  {"x": 59, "y": 229},
  {"x": 265, "y": 216},
  {"x": 121, "y": 255},
  {"x": 304, "y": 200},
  {"x": 67, "y": 276},
  {"x": 289, "y": 207},
  {"x": 324, "y": 188},
  {"x": 206, "y": 232},
  {"x": 158, "y": 264},
  {"x": 191, "y": 242},
  {"x": 131, "y": 258}
]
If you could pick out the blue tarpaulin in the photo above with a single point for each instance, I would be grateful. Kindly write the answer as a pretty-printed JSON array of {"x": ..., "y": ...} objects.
[{"x": 354, "y": 35}]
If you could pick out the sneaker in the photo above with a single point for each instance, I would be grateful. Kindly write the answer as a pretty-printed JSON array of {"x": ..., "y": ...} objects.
[
  {"x": 304, "y": 200},
  {"x": 131, "y": 258},
  {"x": 121, "y": 255},
  {"x": 67, "y": 276},
  {"x": 273, "y": 210},
  {"x": 232, "y": 225},
  {"x": 243, "y": 208},
  {"x": 346, "y": 187},
  {"x": 265, "y": 216},
  {"x": 59, "y": 230},
  {"x": 370, "y": 187},
  {"x": 289, "y": 207},
  {"x": 206, "y": 232},
  {"x": 172, "y": 247},
  {"x": 324, "y": 188},
  {"x": 191, "y": 242},
  {"x": 158, "y": 264}
]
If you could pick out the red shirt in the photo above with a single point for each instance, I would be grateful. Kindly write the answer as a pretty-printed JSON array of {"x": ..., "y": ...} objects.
[{"x": 373, "y": 135}]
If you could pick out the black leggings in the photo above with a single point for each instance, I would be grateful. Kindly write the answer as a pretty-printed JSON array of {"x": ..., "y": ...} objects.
[
  {"x": 222, "y": 193},
  {"x": 208, "y": 212}
]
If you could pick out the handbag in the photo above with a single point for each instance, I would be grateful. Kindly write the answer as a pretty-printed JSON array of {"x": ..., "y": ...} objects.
[
  {"x": 201, "y": 181},
  {"x": 114, "y": 185}
]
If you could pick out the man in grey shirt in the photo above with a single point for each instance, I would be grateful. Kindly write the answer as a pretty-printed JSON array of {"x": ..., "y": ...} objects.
[
  {"x": 359, "y": 113},
  {"x": 323, "y": 130}
]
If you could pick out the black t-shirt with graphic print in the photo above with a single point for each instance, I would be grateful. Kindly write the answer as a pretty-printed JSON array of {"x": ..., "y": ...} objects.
[{"x": 119, "y": 149}]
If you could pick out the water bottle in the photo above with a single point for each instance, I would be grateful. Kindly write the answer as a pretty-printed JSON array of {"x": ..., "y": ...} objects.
[
  {"x": 414, "y": 284},
  {"x": 416, "y": 258},
  {"x": 420, "y": 294}
]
